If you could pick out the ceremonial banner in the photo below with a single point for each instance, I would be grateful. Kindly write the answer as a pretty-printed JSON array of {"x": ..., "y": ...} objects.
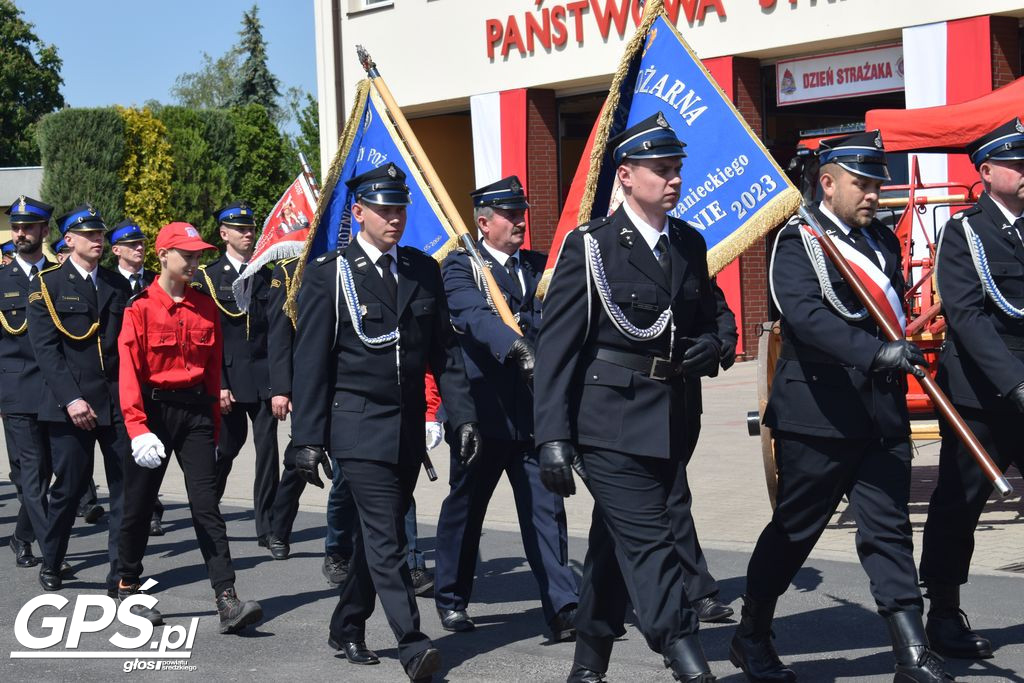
[
  {"x": 732, "y": 191},
  {"x": 284, "y": 234}
]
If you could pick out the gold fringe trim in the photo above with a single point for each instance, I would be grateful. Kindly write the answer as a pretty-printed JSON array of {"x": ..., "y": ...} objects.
[
  {"x": 768, "y": 217},
  {"x": 348, "y": 134}
]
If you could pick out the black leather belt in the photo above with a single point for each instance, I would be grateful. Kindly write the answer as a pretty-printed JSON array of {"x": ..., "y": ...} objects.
[
  {"x": 1013, "y": 342},
  {"x": 654, "y": 367},
  {"x": 193, "y": 396}
]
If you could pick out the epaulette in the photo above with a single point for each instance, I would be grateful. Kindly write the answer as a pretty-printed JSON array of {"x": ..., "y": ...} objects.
[
  {"x": 138, "y": 295},
  {"x": 969, "y": 211},
  {"x": 328, "y": 256},
  {"x": 413, "y": 250},
  {"x": 595, "y": 224}
]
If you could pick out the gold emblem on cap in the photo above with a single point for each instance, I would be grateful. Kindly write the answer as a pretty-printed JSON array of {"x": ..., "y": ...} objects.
[
  {"x": 661, "y": 120},
  {"x": 1020, "y": 126},
  {"x": 92, "y": 211},
  {"x": 392, "y": 171},
  {"x": 515, "y": 186},
  {"x": 878, "y": 141},
  {"x": 21, "y": 198}
]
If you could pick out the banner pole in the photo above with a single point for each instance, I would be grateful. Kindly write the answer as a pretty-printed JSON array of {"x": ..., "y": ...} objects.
[
  {"x": 436, "y": 186},
  {"x": 310, "y": 178},
  {"x": 893, "y": 333}
]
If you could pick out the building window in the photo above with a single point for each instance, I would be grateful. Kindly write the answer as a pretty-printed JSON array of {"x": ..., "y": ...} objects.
[{"x": 364, "y": 5}]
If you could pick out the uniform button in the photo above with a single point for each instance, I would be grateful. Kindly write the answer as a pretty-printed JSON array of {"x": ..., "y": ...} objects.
[
  {"x": 594, "y": 377},
  {"x": 814, "y": 378}
]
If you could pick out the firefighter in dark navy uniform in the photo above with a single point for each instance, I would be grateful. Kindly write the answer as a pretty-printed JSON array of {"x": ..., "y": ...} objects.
[
  {"x": 980, "y": 276},
  {"x": 245, "y": 377},
  {"x": 500, "y": 364},
  {"x": 629, "y": 319},
  {"x": 75, "y": 313},
  {"x": 28, "y": 447},
  {"x": 372, "y": 317},
  {"x": 838, "y": 412}
]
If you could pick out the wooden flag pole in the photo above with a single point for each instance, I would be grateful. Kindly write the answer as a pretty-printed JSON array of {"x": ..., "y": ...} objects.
[
  {"x": 436, "y": 186},
  {"x": 893, "y": 333}
]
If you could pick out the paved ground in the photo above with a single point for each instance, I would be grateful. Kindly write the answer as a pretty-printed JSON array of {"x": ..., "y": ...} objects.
[{"x": 826, "y": 629}]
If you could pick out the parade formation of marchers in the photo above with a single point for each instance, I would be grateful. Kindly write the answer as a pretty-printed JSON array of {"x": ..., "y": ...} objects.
[{"x": 582, "y": 367}]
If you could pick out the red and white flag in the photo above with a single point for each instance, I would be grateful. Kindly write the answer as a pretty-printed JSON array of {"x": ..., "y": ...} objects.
[{"x": 284, "y": 234}]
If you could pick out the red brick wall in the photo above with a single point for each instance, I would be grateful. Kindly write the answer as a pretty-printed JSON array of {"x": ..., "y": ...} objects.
[
  {"x": 542, "y": 160},
  {"x": 1006, "y": 65},
  {"x": 753, "y": 262}
]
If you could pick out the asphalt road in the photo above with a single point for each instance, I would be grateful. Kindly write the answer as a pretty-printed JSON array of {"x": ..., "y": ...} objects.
[{"x": 826, "y": 629}]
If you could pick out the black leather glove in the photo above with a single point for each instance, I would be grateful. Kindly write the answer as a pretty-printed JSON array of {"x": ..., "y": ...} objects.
[
  {"x": 556, "y": 464},
  {"x": 899, "y": 355},
  {"x": 524, "y": 357},
  {"x": 306, "y": 460},
  {"x": 468, "y": 438},
  {"x": 702, "y": 357},
  {"x": 1016, "y": 396},
  {"x": 727, "y": 357}
]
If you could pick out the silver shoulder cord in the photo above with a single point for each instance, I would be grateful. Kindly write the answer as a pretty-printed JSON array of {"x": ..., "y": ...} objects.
[
  {"x": 817, "y": 256},
  {"x": 344, "y": 284},
  {"x": 595, "y": 272},
  {"x": 481, "y": 284},
  {"x": 988, "y": 283}
]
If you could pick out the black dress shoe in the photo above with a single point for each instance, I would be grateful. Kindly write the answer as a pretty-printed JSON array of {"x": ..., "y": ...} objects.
[
  {"x": 279, "y": 549},
  {"x": 66, "y": 572},
  {"x": 455, "y": 620},
  {"x": 563, "y": 628},
  {"x": 355, "y": 652},
  {"x": 49, "y": 579},
  {"x": 23, "y": 556},
  {"x": 422, "y": 582},
  {"x": 155, "y": 529},
  {"x": 235, "y": 614},
  {"x": 424, "y": 665},
  {"x": 151, "y": 615},
  {"x": 335, "y": 569},
  {"x": 92, "y": 513},
  {"x": 952, "y": 636},
  {"x": 581, "y": 674},
  {"x": 711, "y": 610}
]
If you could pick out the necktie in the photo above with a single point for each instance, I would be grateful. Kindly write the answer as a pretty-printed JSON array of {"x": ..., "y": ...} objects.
[
  {"x": 1018, "y": 225},
  {"x": 862, "y": 242},
  {"x": 389, "y": 280},
  {"x": 241, "y": 268},
  {"x": 136, "y": 283},
  {"x": 663, "y": 256},
  {"x": 513, "y": 272},
  {"x": 32, "y": 273}
]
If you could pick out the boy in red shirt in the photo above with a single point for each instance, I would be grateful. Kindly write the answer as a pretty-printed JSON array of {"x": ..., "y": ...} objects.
[{"x": 170, "y": 349}]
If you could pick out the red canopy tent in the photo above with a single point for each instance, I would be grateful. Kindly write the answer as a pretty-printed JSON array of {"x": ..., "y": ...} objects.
[{"x": 947, "y": 129}]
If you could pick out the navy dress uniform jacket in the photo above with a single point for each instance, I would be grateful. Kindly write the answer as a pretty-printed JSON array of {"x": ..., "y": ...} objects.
[
  {"x": 504, "y": 403},
  {"x": 244, "y": 371},
  {"x": 21, "y": 382},
  {"x": 983, "y": 357},
  {"x": 822, "y": 384},
  {"x": 77, "y": 369},
  {"x": 596, "y": 403},
  {"x": 280, "y": 330},
  {"x": 349, "y": 397}
]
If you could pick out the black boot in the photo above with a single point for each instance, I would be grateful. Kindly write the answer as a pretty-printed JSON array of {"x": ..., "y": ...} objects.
[
  {"x": 915, "y": 663},
  {"x": 752, "y": 649},
  {"x": 686, "y": 659},
  {"x": 590, "y": 662},
  {"x": 949, "y": 633}
]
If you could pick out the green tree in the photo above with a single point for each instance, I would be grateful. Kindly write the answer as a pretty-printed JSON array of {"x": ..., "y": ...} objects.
[
  {"x": 83, "y": 152},
  {"x": 200, "y": 183},
  {"x": 259, "y": 169},
  {"x": 147, "y": 173},
  {"x": 29, "y": 86},
  {"x": 305, "y": 110},
  {"x": 256, "y": 85},
  {"x": 213, "y": 86}
]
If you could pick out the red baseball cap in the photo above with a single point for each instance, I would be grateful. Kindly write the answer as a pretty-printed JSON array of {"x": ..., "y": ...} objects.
[{"x": 181, "y": 235}]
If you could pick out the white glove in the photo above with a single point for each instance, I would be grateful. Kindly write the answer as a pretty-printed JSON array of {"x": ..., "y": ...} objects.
[
  {"x": 147, "y": 450},
  {"x": 434, "y": 435}
]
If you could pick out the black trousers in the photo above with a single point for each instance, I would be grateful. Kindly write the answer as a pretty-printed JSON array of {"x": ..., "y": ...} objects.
[
  {"x": 234, "y": 430},
  {"x": 696, "y": 575},
  {"x": 961, "y": 492},
  {"x": 28, "y": 450},
  {"x": 542, "y": 525},
  {"x": 814, "y": 474},
  {"x": 187, "y": 432},
  {"x": 382, "y": 493},
  {"x": 72, "y": 450},
  {"x": 286, "y": 501},
  {"x": 634, "y": 544}
]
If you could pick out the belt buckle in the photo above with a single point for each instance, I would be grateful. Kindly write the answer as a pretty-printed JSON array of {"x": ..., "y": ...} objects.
[
  {"x": 153, "y": 394},
  {"x": 660, "y": 368}
]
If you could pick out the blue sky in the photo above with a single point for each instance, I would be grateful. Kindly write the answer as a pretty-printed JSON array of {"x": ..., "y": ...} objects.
[{"x": 129, "y": 51}]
